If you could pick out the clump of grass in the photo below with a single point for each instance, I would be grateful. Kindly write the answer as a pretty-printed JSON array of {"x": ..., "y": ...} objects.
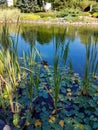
[
  {"x": 10, "y": 71},
  {"x": 9, "y": 14}
]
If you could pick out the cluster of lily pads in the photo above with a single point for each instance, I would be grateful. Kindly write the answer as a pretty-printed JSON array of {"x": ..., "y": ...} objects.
[{"x": 72, "y": 111}]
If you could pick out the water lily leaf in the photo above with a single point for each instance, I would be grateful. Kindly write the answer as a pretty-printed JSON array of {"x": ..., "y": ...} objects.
[
  {"x": 63, "y": 90},
  {"x": 45, "y": 95},
  {"x": 15, "y": 119},
  {"x": 68, "y": 90},
  {"x": 61, "y": 123},
  {"x": 78, "y": 126},
  {"x": 43, "y": 103},
  {"x": 93, "y": 118},
  {"x": 95, "y": 126},
  {"x": 52, "y": 119},
  {"x": 87, "y": 127},
  {"x": 69, "y": 94},
  {"x": 80, "y": 115},
  {"x": 50, "y": 90},
  {"x": 55, "y": 126},
  {"x": 38, "y": 123},
  {"x": 44, "y": 109},
  {"x": 30, "y": 128},
  {"x": 37, "y": 128},
  {"x": 27, "y": 123},
  {"x": 46, "y": 125},
  {"x": 86, "y": 120}
]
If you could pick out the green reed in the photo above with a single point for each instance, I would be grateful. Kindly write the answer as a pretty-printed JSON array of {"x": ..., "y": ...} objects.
[
  {"x": 61, "y": 53},
  {"x": 91, "y": 67},
  {"x": 10, "y": 69},
  {"x": 32, "y": 80}
]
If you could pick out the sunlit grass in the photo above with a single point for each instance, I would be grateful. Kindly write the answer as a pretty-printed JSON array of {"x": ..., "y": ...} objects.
[{"x": 9, "y": 14}]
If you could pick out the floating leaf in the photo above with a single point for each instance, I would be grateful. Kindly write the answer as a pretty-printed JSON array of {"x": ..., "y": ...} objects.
[
  {"x": 38, "y": 123},
  {"x": 68, "y": 89},
  {"x": 50, "y": 90},
  {"x": 15, "y": 119},
  {"x": 61, "y": 123},
  {"x": 51, "y": 119},
  {"x": 87, "y": 127},
  {"x": 69, "y": 94},
  {"x": 27, "y": 123},
  {"x": 5, "y": 96}
]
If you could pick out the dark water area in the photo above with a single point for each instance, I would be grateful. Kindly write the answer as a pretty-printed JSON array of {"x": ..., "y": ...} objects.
[{"x": 69, "y": 43}]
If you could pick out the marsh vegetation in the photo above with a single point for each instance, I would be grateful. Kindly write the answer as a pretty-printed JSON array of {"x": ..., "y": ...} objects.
[{"x": 36, "y": 94}]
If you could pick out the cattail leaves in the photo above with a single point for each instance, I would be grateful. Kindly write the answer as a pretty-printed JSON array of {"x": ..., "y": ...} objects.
[
  {"x": 91, "y": 66},
  {"x": 56, "y": 79}
]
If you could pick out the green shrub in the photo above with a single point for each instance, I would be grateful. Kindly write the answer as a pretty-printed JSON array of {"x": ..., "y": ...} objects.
[
  {"x": 95, "y": 15},
  {"x": 95, "y": 8},
  {"x": 68, "y": 12},
  {"x": 29, "y": 17},
  {"x": 46, "y": 14},
  {"x": 87, "y": 13}
]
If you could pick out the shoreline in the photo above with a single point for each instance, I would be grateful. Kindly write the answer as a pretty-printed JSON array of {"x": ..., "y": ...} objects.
[{"x": 52, "y": 22}]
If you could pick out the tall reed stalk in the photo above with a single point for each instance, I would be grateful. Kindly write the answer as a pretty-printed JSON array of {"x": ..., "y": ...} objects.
[
  {"x": 61, "y": 52},
  {"x": 91, "y": 67},
  {"x": 10, "y": 73}
]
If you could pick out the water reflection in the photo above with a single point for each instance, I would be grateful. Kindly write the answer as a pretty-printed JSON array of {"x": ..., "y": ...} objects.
[{"x": 70, "y": 40}]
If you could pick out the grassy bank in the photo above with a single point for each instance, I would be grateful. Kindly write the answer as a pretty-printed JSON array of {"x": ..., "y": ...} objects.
[{"x": 11, "y": 15}]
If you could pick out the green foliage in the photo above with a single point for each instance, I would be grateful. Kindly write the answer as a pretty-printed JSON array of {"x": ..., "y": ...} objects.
[
  {"x": 95, "y": 8},
  {"x": 68, "y": 12},
  {"x": 27, "y": 6},
  {"x": 41, "y": 85},
  {"x": 91, "y": 66},
  {"x": 95, "y": 15},
  {"x": 3, "y": 2},
  {"x": 29, "y": 17},
  {"x": 47, "y": 14},
  {"x": 10, "y": 64}
]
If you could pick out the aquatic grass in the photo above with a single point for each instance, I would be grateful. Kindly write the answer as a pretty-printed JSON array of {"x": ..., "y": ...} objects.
[
  {"x": 32, "y": 79},
  {"x": 65, "y": 53},
  {"x": 56, "y": 80},
  {"x": 91, "y": 67},
  {"x": 9, "y": 14},
  {"x": 10, "y": 73},
  {"x": 5, "y": 40},
  {"x": 10, "y": 77},
  {"x": 61, "y": 52},
  {"x": 33, "y": 90}
]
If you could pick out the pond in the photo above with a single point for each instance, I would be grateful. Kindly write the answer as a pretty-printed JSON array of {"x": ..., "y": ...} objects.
[
  {"x": 68, "y": 42},
  {"x": 36, "y": 96}
]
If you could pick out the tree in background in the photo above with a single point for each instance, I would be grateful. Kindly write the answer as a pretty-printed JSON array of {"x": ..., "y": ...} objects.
[
  {"x": 80, "y": 4},
  {"x": 3, "y": 2},
  {"x": 27, "y": 6}
]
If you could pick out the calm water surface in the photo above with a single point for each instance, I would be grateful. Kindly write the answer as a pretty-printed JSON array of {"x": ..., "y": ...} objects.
[{"x": 51, "y": 40}]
